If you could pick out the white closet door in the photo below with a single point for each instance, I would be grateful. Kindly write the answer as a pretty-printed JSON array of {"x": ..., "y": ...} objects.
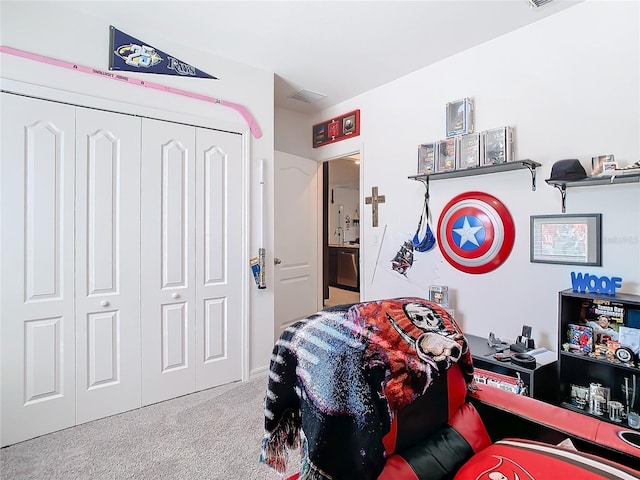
[
  {"x": 219, "y": 258},
  {"x": 168, "y": 260},
  {"x": 108, "y": 355},
  {"x": 36, "y": 284}
]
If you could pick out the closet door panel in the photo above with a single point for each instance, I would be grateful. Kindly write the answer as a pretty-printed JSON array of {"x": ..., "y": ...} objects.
[
  {"x": 36, "y": 283},
  {"x": 108, "y": 351},
  {"x": 219, "y": 253},
  {"x": 168, "y": 260}
]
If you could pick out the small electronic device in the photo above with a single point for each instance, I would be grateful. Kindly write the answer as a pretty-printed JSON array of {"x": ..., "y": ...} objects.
[
  {"x": 524, "y": 342},
  {"x": 502, "y": 357}
]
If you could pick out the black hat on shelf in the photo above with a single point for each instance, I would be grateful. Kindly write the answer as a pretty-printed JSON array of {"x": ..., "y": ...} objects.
[{"x": 568, "y": 170}]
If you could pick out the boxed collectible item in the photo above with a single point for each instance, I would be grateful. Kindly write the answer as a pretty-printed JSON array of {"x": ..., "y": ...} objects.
[
  {"x": 439, "y": 294},
  {"x": 459, "y": 117},
  {"x": 469, "y": 151},
  {"x": 498, "y": 146},
  {"x": 426, "y": 158},
  {"x": 447, "y": 155}
]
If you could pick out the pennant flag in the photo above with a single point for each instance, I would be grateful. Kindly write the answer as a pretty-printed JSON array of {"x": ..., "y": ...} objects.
[{"x": 130, "y": 54}]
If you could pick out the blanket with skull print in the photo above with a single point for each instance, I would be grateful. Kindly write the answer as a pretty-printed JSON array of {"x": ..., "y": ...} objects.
[{"x": 337, "y": 378}]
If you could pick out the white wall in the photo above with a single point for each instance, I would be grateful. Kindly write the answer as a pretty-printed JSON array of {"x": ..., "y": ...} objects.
[
  {"x": 569, "y": 85},
  {"x": 294, "y": 136},
  {"x": 53, "y": 29}
]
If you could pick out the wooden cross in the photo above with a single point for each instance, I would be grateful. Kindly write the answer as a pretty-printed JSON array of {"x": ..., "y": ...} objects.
[{"x": 374, "y": 200}]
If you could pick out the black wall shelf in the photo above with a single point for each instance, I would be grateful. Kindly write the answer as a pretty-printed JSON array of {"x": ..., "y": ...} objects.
[
  {"x": 592, "y": 181},
  {"x": 485, "y": 169}
]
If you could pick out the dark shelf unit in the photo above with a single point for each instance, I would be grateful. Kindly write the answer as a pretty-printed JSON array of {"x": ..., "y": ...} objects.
[
  {"x": 592, "y": 182},
  {"x": 482, "y": 170},
  {"x": 583, "y": 369},
  {"x": 541, "y": 381}
]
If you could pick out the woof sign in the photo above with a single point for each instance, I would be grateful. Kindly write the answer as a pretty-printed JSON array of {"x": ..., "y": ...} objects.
[{"x": 584, "y": 282}]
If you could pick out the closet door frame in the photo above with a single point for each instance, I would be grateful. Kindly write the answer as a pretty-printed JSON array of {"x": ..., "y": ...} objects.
[
  {"x": 107, "y": 247},
  {"x": 37, "y": 300},
  {"x": 82, "y": 100}
]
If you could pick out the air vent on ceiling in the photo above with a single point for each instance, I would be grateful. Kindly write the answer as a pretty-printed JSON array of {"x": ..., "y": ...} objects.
[
  {"x": 539, "y": 3},
  {"x": 307, "y": 96}
]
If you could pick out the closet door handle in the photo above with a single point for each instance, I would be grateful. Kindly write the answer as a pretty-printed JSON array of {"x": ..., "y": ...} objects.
[
  {"x": 175, "y": 295},
  {"x": 104, "y": 303}
]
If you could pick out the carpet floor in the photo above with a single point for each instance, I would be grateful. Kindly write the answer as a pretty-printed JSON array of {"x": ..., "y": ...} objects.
[{"x": 210, "y": 435}]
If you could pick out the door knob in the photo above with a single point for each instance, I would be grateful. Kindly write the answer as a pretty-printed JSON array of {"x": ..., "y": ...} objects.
[
  {"x": 277, "y": 261},
  {"x": 104, "y": 303},
  {"x": 175, "y": 295}
]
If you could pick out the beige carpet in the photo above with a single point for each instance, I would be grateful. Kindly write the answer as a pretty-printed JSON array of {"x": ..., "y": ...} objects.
[
  {"x": 339, "y": 296},
  {"x": 211, "y": 435}
]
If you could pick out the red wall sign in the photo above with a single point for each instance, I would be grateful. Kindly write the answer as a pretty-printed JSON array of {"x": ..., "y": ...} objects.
[{"x": 336, "y": 129}]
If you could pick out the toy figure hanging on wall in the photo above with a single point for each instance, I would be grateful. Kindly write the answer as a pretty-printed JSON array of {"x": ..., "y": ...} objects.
[{"x": 403, "y": 260}]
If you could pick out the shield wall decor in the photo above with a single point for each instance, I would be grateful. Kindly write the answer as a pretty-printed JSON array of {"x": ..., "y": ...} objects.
[{"x": 475, "y": 232}]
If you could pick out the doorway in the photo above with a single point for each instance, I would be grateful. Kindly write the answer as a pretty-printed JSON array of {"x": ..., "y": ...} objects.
[{"x": 341, "y": 230}]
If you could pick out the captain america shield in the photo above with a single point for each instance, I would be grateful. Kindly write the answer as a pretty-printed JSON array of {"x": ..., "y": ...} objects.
[{"x": 475, "y": 232}]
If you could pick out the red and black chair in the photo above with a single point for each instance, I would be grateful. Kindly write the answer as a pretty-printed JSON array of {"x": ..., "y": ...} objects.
[{"x": 494, "y": 434}]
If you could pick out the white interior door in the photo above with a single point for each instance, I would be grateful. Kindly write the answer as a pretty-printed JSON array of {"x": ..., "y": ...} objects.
[
  {"x": 108, "y": 359},
  {"x": 37, "y": 256},
  {"x": 168, "y": 260},
  {"x": 219, "y": 264},
  {"x": 296, "y": 239}
]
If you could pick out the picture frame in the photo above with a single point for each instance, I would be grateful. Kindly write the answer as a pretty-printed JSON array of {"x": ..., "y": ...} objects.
[
  {"x": 427, "y": 158},
  {"x": 459, "y": 117},
  {"x": 469, "y": 151},
  {"x": 566, "y": 239},
  {"x": 497, "y": 145},
  {"x": 447, "y": 150},
  {"x": 336, "y": 129},
  {"x": 597, "y": 163}
]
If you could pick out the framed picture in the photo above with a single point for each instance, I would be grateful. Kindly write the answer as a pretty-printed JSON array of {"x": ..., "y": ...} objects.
[
  {"x": 446, "y": 155},
  {"x": 459, "y": 117},
  {"x": 336, "y": 129},
  {"x": 426, "y": 158},
  {"x": 469, "y": 151},
  {"x": 598, "y": 163},
  {"x": 498, "y": 146},
  {"x": 566, "y": 239}
]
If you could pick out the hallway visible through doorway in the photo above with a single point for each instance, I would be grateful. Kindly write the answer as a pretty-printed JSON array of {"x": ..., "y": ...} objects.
[{"x": 341, "y": 229}]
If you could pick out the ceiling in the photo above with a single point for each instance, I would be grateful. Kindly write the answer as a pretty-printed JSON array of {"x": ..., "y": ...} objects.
[{"x": 340, "y": 49}]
